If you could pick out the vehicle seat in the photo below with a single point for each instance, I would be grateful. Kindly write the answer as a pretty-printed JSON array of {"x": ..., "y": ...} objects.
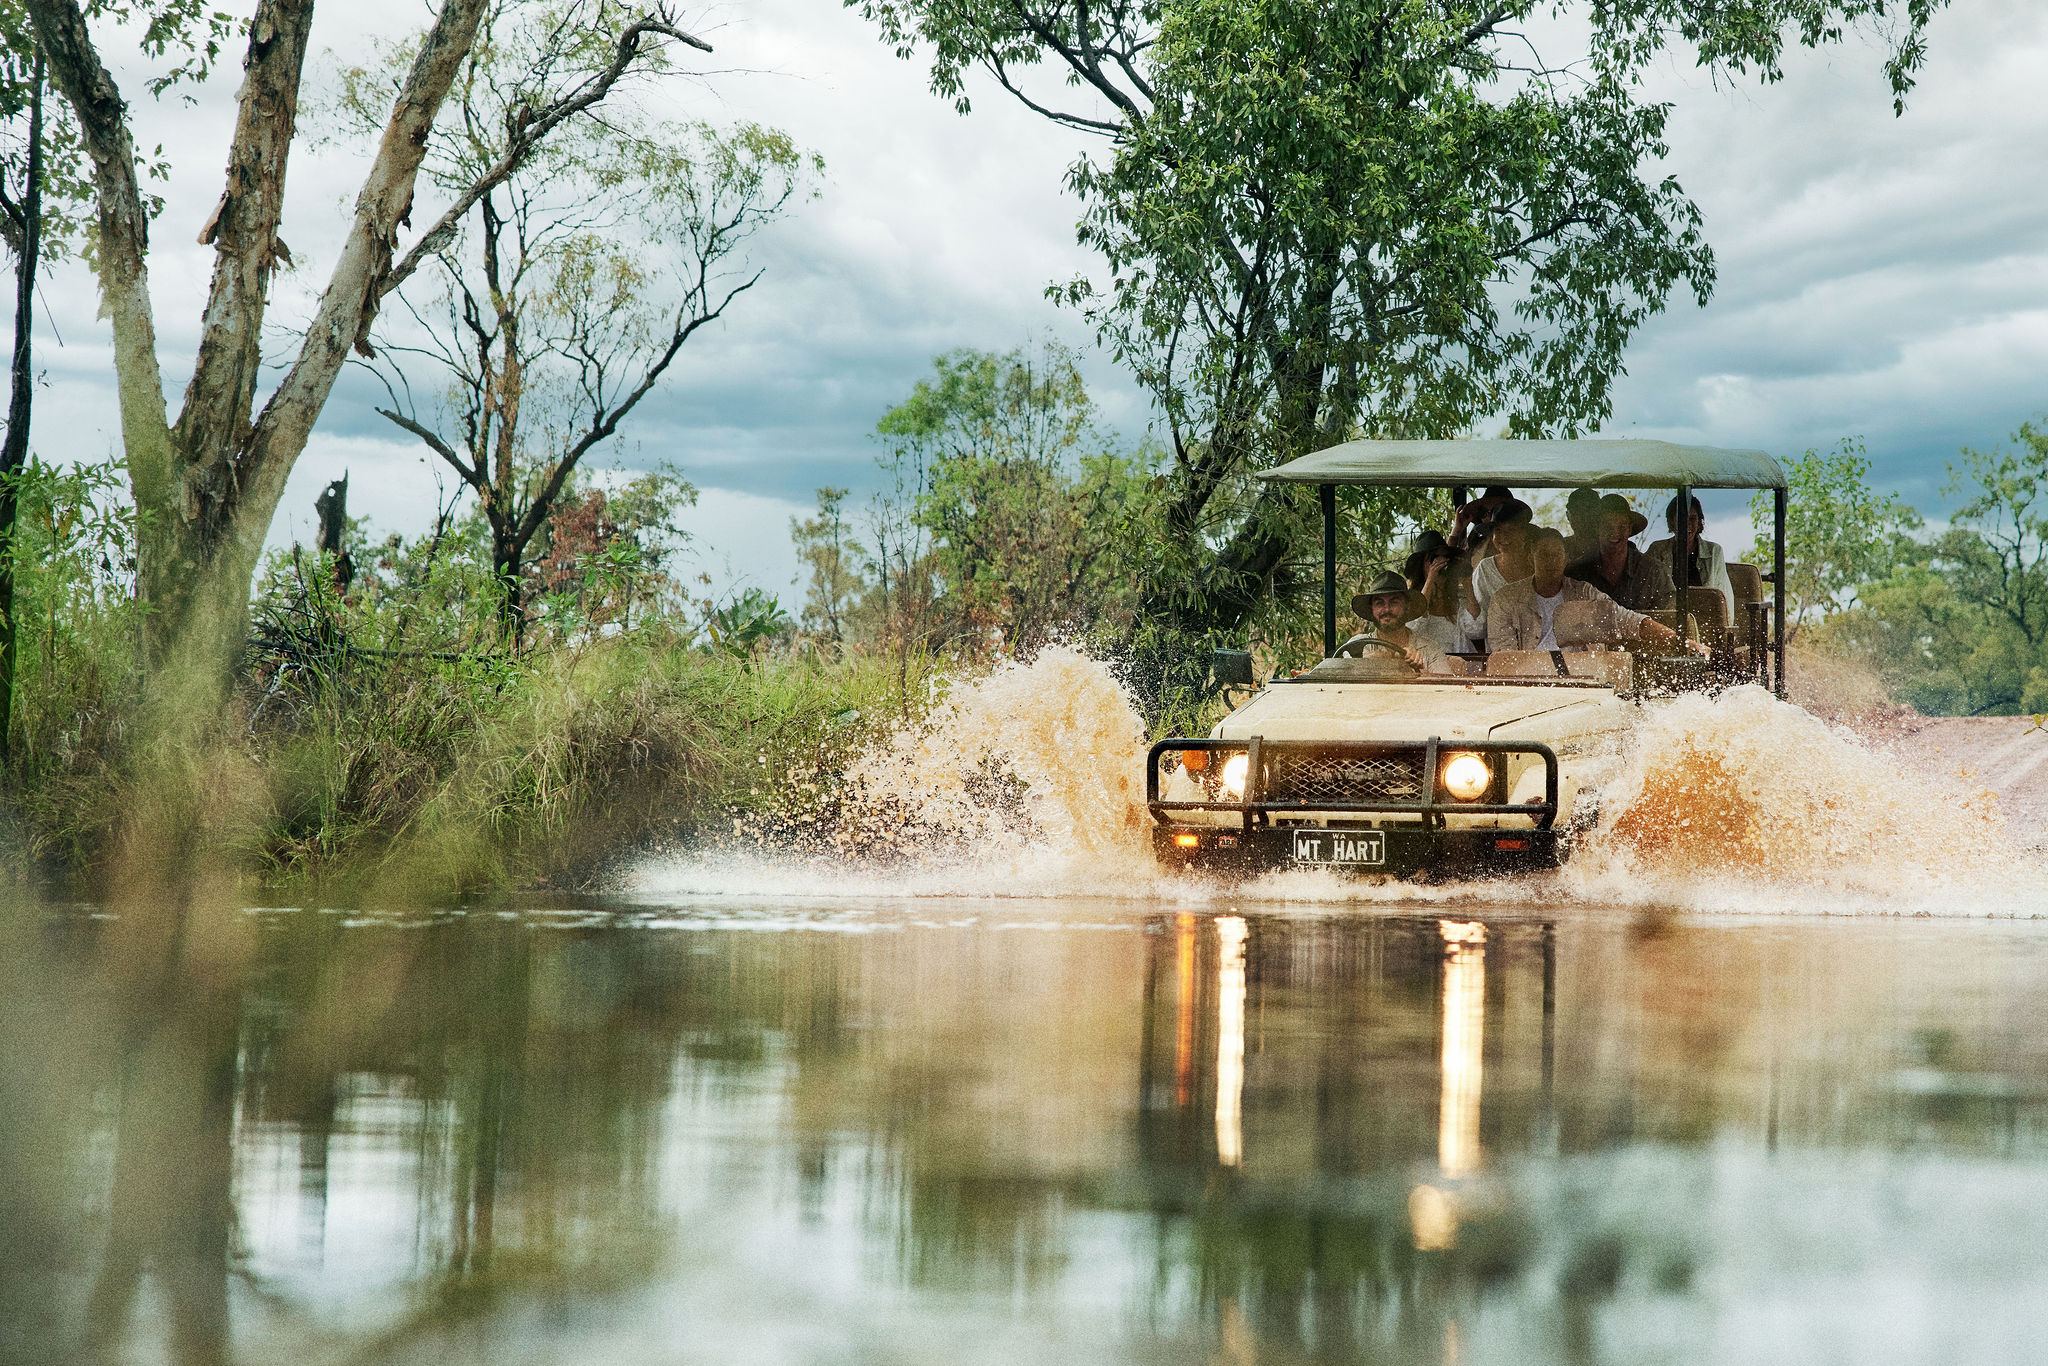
[
  {"x": 1521, "y": 664},
  {"x": 1709, "y": 609},
  {"x": 1751, "y": 611},
  {"x": 1615, "y": 668},
  {"x": 1748, "y": 582}
]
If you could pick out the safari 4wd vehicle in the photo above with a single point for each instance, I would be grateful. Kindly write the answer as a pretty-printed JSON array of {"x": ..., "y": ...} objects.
[{"x": 1367, "y": 765}]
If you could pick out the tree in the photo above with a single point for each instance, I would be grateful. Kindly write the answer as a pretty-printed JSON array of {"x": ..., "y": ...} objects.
[
  {"x": 1996, "y": 548},
  {"x": 207, "y": 484},
  {"x": 1839, "y": 533},
  {"x": 604, "y": 553},
  {"x": 1387, "y": 217},
  {"x": 1955, "y": 622},
  {"x": 1021, "y": 494},
  {"x": 558, "y": 302},
  {"x": 826, "y": 544}
]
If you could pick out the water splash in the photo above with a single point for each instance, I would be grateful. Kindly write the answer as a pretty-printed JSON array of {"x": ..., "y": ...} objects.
[
  {"x": 1045, "y": 753},
  {"x": 1028, "y": 782},
  {"x": 1741, "y": 801},
  {"x": 1025, "y": 781}
]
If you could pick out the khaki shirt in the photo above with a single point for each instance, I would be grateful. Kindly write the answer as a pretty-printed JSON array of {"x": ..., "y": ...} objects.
[
  {"x": 1643, "y": 586},
  {"x": 1514, "y": 622}
]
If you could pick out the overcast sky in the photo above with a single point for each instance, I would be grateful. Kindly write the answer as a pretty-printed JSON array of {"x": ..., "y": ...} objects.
[{"x": 1881, "y": 278}]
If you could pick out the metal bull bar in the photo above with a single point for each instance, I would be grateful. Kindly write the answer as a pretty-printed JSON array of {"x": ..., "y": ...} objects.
[{"x": 1257, "y": 811}]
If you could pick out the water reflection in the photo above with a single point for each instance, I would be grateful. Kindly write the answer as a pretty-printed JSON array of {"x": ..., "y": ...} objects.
[
  {"x": 1464, "y": 1062},
  {"x": 1280, "y": 1138},
  {"x": 1230, "y": 1040}
]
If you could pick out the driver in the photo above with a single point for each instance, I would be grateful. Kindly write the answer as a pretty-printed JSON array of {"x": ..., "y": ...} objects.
[{"x": 1385, "y": 604}]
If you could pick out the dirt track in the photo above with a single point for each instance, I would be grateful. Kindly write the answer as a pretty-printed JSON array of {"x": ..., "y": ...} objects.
[{"x": 1999, "y": 752}]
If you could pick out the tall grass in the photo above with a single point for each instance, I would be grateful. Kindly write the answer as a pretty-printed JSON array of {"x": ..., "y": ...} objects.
[
  {"x": 444, "y": 777},
  {"x": 384, "y": 743}
]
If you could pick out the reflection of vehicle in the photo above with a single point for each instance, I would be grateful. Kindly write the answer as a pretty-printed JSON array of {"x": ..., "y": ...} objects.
[{"x": 1365, "y": 764}]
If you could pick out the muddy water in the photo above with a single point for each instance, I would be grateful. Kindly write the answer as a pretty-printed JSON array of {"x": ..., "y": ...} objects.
[
  {"x": 975, "y": 1131},
  {"x": 1762, "y": 1077}
]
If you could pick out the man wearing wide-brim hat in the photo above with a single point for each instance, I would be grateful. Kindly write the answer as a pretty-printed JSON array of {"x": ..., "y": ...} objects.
[
  {"x": 1384, "y": 603},
  {"x": 1617, "y": 568}
]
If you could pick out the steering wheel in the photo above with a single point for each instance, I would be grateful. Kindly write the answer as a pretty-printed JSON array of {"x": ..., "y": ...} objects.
[{"x": 1397, "y": 651}]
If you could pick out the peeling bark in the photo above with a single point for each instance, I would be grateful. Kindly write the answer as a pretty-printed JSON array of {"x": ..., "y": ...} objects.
[
  {"x": 215, "y": 418},
  {"x": 212, "y": 483}
]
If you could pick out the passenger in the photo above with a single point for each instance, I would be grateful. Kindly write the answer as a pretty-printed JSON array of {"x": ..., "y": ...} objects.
[
  {"x": 1475, "y": 517},
  {"x": 1520, "y": 615},
  {"x": 1385, "y": 605},
  {"x": 1509, "y": 553},
  {"x": 1429, "y": 543},
  {"x": 1582, "y": 514},
  {"x": 1434, "y": 600},
  {"x": 1709, "y": 566},
  {"x": 1620, "y": 570}
]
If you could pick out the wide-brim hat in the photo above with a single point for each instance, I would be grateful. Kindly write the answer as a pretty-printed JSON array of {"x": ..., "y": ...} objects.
[
  {"x": 1614, "y": 502},
  {"x": 1385, "y": 585}
]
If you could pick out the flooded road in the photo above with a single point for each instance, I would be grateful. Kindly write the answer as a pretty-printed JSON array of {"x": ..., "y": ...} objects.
[{"x": 796, "y": 1130}]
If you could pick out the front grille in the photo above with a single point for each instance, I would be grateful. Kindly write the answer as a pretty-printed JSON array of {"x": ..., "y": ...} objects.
[{"x": 1307, "y": 778}]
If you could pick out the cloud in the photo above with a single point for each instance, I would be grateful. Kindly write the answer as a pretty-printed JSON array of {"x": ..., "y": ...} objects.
[{"x": 1878, "y": 276}]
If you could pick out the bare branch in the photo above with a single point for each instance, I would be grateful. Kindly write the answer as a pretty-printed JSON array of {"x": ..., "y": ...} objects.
[
  {"x": 528, "y": 133},
  {"x": 439, "y": 447}
]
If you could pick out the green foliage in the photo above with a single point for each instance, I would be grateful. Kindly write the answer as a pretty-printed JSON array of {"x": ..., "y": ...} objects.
[
  {"x": 1388, "y": 217},
  {"x": 826, "y": 545},
  {"x": 740, "y": 627},
  {"x": 439, "y": 776},
  {"x": 1839, "y": 533},
  {"x": 78, "y": 679},
  {"x": 1022, "y": 498},
  {"x": 1955, "y": 622},
  {"x": 1004, "y": 523}
]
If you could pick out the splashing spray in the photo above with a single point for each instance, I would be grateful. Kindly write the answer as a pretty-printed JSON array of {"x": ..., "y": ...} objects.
[{"x": 1740, "y": 796}]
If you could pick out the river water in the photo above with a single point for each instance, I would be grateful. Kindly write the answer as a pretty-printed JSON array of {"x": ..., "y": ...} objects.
[
  {"x": 966, "y": 1130},
  {"x": 1025, "y": 1100}
]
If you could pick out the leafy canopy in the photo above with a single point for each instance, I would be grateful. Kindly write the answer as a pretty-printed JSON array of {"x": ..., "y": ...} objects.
[{"x": 1383, "y": 217}]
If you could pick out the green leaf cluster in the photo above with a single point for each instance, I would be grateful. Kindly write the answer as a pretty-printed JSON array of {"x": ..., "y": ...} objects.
[
  {"x": 1954, "y": 617},
  {"x": 1381, "y": 218}
]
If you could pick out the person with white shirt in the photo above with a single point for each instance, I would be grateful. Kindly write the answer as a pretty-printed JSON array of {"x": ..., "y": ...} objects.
[
  {"x": 1522, "y": 615},
  {"x": 1509, "y": 559},
  {"x": 1385, "y": 605},
  {"x": 1709, "y": 565}
]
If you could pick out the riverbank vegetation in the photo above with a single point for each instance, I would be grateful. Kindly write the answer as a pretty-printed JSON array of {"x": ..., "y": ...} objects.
[
  {"x": 1951, "y": 615},
  {"x": 383, "y": 733},
  {"x": 1309, "y": 227}
]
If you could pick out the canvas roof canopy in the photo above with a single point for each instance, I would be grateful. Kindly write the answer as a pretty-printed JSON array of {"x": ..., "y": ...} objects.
[{"x": 1594, "y": 461}]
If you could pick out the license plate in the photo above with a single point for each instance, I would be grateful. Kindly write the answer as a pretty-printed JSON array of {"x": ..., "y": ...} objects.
[{"x": 1361, "y": 847}]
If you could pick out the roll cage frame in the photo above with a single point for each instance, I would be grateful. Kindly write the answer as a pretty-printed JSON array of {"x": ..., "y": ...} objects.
[{"x": 1596, "y": 463}]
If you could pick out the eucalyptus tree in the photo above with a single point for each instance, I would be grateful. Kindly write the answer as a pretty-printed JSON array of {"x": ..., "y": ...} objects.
[
  {"x": 1395, "y": 217},
  {"x": 563, "y": 296},
  {"x": 207, "y": 483}
]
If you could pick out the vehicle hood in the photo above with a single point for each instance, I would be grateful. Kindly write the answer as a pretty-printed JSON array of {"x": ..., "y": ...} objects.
[{"x": 1400, "y": 711}]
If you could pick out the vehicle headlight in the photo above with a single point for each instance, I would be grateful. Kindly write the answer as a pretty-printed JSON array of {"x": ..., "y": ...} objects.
[
  {"x": 1234, "y": 770},
  {"x": 1467, "y": 776}
]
